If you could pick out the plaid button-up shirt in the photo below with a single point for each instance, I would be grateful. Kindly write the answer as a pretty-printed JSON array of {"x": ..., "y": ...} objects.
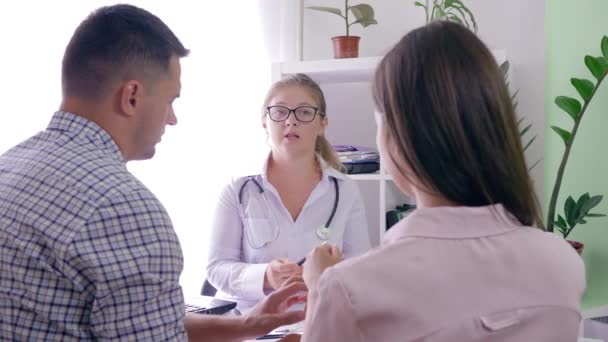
[{"x": 86, "y": 250}]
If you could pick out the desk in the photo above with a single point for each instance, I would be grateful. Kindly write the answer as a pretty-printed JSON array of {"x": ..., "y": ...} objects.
[{"x": 580, "y": 339}]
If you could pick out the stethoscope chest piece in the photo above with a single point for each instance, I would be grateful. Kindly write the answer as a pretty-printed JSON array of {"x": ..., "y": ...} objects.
[{"x": 323, "y": 233}]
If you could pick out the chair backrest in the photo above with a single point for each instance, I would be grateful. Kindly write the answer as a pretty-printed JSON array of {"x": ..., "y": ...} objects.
[{"x": 208, "y": 289}]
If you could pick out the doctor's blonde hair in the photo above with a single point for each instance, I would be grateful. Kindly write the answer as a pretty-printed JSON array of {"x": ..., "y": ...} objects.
[{"x": 322, "y": 145}]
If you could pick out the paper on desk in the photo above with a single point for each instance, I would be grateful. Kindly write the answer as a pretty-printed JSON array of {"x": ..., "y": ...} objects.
[{"x": 291, "y": 328}]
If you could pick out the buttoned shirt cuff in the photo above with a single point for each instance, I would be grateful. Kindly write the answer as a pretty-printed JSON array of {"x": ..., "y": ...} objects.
[{"x": 253, "y": 281}]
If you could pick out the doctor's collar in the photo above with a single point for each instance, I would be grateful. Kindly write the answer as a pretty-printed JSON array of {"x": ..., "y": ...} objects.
[{"x": 326, "y": 170}]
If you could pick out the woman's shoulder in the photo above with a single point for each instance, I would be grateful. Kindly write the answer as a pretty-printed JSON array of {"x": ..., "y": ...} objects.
[{"x": 235, "y": 184}]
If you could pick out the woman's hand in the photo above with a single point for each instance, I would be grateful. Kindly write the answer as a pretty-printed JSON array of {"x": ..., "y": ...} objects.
[
  {"x": 278, "y": 271},
  {"x": 317, "y": 261}
]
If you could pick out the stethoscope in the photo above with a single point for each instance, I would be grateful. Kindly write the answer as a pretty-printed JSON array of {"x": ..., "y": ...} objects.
[{"x": 323, "y": 232}]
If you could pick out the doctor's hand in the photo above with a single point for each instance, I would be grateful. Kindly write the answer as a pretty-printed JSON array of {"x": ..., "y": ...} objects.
[
  {"x": 278, "y": 271},
  {"x": 317, "y": 261}
]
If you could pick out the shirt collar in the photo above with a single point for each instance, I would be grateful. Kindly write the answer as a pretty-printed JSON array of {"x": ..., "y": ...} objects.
[
  {"x": 454, "y": 223},
  {"x": 85, "y": 129},
  {"x": 326, "y": 170}
]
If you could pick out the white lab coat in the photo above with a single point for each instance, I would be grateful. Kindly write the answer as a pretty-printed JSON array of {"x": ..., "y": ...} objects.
[{"x": 237, "y": 269}]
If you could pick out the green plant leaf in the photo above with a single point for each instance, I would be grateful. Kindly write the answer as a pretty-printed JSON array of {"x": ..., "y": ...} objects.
[
  {"x": 333, "y": 10},
  {"x": 584, "y": 87},
  {"x": 569, "y": 105},
  {"x": 525, "y": 130},
  {"x": 365, "y": 23},
  {"x": 595, "y": 215},
  {"x": 605, "y": 47},
  {"x": 529, "y": 142},
  {"x": 504, "y": 69},
  {"x": 441, "y": 13},
  {"x": 591, "y": 203},
  {"x": 534, "y": 165},
  {"x": 363, "y": 12},
  {"x": 419, "y": 4},
  {"x": 565, "y": 135},
  {"x": 514, "y": 102},
  {"x": 454, "y": 18},
  {"x": 569, "y": 206},
  {"x": 584, "y": 198},
  {"x": 461, "y": 7},
  {"x": 561, "y": 223},
  {"x": 595, "y": 67},
  {"x": 577, "y": 214},
  {"x": 603, "y": 62},
  {"x": 579, "y": 204}
]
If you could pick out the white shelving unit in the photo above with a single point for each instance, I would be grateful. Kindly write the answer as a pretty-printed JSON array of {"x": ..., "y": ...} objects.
[{"x": 340, "y": 73}]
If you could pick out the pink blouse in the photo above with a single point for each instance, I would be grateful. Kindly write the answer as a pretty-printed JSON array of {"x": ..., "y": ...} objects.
[{"x": 454, "y": 274}]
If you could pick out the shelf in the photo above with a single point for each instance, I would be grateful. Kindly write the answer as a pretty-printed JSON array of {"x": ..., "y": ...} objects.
[
  {"x": 343, "y": 70},
  {"x": 376, "y": 176}
]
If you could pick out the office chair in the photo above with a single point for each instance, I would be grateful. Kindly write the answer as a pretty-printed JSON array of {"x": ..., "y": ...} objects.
[{"x": 208, "y": 289}]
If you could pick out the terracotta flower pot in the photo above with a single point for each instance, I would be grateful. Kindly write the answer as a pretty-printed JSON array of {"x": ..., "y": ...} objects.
[
  {"x": 578, "y": 246},
  {"x": 346, "y": 46}
]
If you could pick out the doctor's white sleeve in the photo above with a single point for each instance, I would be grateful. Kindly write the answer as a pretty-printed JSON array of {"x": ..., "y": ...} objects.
[
  {"x": 225, "y": 269},
  {"x": 356, "y": 233}
]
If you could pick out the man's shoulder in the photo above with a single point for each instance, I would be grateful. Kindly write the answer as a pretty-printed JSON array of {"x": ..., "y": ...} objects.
[{"x": 68, "y": 165}]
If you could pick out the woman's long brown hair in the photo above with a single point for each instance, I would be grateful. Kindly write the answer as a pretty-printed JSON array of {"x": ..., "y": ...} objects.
[{"x": 450, "y": 118}]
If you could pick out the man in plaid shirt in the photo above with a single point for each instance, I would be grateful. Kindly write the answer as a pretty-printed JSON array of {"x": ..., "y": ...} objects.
[{"x": 86, "y": 250}]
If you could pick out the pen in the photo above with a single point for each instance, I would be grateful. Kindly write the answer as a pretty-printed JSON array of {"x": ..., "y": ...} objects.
[{"x": 301, "y": 262}]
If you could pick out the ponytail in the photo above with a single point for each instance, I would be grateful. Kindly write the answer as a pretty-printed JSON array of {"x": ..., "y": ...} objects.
[{"x": 327, "y": 152}]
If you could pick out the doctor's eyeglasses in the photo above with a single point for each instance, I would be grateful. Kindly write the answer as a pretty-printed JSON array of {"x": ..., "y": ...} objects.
[{"x": 302, "y": 113}]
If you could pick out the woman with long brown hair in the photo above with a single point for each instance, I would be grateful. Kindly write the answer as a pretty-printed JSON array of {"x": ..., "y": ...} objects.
[{"x": 469, "y": 263}]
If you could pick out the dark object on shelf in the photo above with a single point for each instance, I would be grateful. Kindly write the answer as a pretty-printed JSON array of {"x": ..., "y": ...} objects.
[
  {"x": 358, "y": 159},
  {"x": 400, "y": 212}
]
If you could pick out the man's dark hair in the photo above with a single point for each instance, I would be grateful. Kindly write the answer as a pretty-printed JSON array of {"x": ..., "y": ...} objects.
[{"x": 117, "y": 43}]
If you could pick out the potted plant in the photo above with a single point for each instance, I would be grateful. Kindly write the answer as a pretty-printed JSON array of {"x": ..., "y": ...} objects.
[
  {"x": 576, "y": 211},
  {"x": 348, "y": 46},
  {"x": 452, "y": 10}
]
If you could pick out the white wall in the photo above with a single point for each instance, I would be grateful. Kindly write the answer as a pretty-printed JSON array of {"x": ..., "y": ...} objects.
[
  {"x": 219, "y": 132},
  {"x": 516, "y": 26}
]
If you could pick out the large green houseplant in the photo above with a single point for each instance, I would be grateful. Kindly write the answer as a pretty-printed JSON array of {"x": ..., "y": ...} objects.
[
  {"x": 348, "y": 46},
  {"x": 576, "y": 211},
  {"x": 452, "y": 10}
]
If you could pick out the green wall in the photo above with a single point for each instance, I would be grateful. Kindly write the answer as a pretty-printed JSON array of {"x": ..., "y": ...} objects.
[{"x": 574, "y": 28}]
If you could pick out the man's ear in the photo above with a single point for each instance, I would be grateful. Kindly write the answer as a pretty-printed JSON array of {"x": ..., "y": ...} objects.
[{"x": 130, "y": 96}]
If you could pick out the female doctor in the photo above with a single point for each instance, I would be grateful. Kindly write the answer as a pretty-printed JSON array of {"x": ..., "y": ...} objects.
[{"x": 264, "y": 224}]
